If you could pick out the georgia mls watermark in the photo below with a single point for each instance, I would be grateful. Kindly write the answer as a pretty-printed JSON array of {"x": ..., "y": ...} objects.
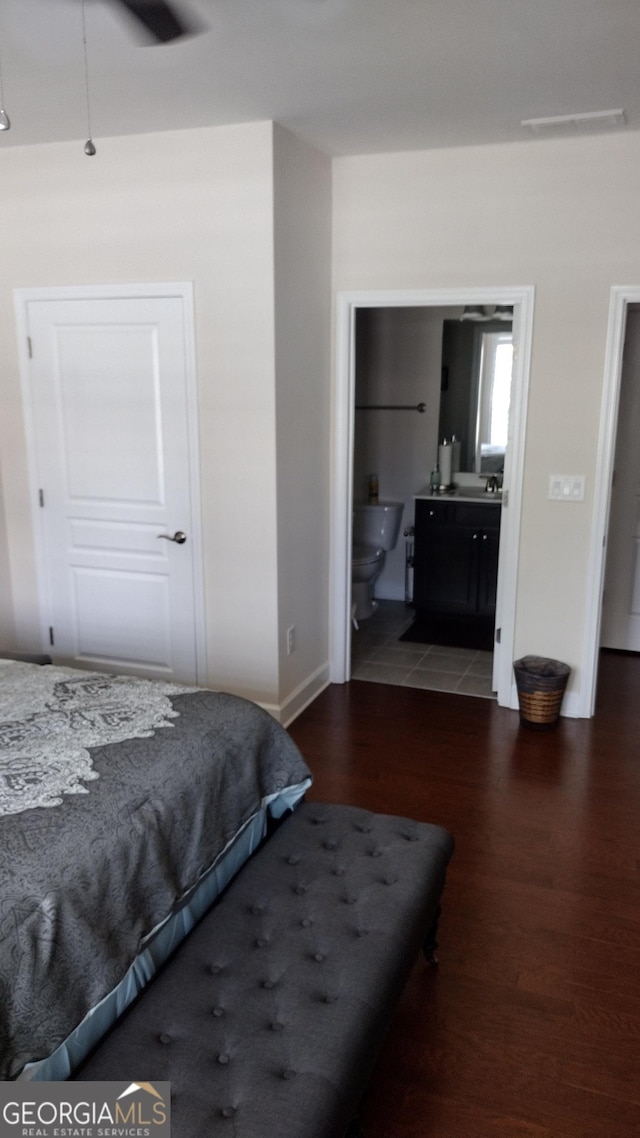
[{"x": 85, "y": 1110}]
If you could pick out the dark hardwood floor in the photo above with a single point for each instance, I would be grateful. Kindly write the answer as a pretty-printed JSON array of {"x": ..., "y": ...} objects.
[{"x": 531, "y": 1024}]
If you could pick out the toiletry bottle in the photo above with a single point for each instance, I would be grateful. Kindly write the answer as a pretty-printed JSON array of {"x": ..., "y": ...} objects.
[
  {"x": 373, "y": 489},
  {"x": 444, "y": 463},
  {"x": 434, "y": 484}
]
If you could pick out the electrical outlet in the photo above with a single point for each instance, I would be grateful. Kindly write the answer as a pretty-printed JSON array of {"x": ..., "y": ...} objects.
[{"x": 291, "y": 639}]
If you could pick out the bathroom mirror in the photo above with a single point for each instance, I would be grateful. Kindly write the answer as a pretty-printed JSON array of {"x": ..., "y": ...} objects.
[{"x": 477, "y": 357}]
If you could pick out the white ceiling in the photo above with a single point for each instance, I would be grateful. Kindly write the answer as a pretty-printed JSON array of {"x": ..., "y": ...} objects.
[{"x": 350, "y": 76}]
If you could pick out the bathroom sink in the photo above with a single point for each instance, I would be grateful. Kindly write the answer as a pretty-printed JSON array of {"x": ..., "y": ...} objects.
[
  {"x": 464, "y": 493},
  {"x": 477, "y": 492}
]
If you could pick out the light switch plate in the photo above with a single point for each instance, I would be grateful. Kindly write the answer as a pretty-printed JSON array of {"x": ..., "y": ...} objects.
[{"x": 566, "y": 487}]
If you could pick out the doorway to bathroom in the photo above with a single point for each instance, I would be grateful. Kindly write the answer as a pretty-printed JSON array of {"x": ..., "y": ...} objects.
[{"x": 418, "y": 410}]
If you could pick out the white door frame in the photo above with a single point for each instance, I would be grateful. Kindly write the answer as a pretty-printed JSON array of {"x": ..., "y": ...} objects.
[
  {"x": 621, "y": 297},
  {"x": 182, "y": 291},
  {"x": 522, "y": 298}
]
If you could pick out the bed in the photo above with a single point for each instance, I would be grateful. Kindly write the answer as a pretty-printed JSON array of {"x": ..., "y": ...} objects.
[{"x": 126, "y": 805}]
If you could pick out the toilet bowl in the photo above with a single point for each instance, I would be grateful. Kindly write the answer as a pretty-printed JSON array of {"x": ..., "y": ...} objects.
[{"x": 375, "y": 531}]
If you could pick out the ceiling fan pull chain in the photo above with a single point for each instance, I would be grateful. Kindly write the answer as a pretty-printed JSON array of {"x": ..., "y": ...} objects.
[{"x": 89, "y": 147}]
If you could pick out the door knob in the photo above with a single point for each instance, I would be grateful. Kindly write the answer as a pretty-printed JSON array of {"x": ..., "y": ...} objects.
[{"x": 179, "y": 537}]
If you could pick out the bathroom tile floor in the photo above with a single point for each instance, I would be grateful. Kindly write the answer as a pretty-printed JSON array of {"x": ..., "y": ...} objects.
[{"x": 378, "y": 655}]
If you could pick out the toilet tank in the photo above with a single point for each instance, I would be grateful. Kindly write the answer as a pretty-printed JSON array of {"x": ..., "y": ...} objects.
[{"x": 377, "y": 525}]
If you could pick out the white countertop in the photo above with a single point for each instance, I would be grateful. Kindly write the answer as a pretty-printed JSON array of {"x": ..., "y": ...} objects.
[{"x": 462, "y": 494}]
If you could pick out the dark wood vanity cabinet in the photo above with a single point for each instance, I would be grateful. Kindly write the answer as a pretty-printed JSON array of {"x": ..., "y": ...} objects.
[{"x": 456, "y": 558}]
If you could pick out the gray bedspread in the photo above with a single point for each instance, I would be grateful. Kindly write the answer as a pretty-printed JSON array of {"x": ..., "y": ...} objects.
[{"x": 104, "y": 835}]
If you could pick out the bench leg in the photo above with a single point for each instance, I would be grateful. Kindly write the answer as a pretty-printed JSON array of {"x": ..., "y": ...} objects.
[
  {"x": 354, "y": 1129},
  {"x": 430, "y": 946}
]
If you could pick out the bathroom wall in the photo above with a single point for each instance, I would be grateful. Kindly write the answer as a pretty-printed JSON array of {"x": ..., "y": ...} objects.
[{"x": 398, "y": 361}]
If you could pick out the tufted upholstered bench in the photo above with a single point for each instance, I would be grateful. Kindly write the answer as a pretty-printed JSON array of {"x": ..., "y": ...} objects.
[{"x": 268, "y": 1018}]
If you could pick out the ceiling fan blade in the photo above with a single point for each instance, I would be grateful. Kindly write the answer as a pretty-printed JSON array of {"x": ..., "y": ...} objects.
[{"x": 159, "y": 19}]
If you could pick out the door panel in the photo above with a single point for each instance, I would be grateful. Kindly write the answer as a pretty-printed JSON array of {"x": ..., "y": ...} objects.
[
  {"x": 121, "y": 404},
  {"x": 139, "y": 606},
  {"x": 109, "y": 393}
]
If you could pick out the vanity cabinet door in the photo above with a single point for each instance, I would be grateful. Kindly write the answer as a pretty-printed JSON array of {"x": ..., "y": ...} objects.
[
  {"x": 488, "y": 571},
  {"x": 445, "y": 562},
  {"x": 456, "y": 558}
]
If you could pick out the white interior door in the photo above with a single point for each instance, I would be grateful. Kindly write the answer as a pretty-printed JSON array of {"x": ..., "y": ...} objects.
[
  {"x": 111, "y": 430},
  {"x": 621, "y": 604}
]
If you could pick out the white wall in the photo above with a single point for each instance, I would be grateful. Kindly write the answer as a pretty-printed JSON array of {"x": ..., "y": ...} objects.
[
  {"x": 302, "y": 234},
  {"x": 193, "y": 205},
  {"x": 559, "y": 215},
  {"x": 208, "y": 206},
  {"x": 7, "y": 629}
]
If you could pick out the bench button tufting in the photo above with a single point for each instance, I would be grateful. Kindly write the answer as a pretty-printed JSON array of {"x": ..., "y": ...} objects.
[{"x": 301, "y": 997}]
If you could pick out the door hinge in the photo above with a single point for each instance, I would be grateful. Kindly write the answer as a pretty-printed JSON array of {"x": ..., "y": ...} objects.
[
  {"x": 505, "y": 498},
  {"x": 51, "y": 641},
  {"x": 498, "y": 635},
  {"x": 41, "y": 497},
  {"x": 30, "y": 347}
]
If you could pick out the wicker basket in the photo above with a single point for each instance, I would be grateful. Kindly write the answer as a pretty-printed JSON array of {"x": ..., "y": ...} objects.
[{"x": 541, "y": 685}]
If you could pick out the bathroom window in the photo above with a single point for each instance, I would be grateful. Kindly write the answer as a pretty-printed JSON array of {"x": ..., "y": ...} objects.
[{"x": 496, "y": 363}]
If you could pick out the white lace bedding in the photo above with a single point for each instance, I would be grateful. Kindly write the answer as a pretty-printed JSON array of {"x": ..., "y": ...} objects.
[
  {"x": 117, "y": 795},
  {"x": 51, "y": 716}
]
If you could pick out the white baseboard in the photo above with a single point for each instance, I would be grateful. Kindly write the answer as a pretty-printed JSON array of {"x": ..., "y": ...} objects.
[{"x": 300, "y": 697}]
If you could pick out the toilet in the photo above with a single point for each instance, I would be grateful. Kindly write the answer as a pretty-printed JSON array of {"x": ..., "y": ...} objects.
[{"x": 375, "y": 530}]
